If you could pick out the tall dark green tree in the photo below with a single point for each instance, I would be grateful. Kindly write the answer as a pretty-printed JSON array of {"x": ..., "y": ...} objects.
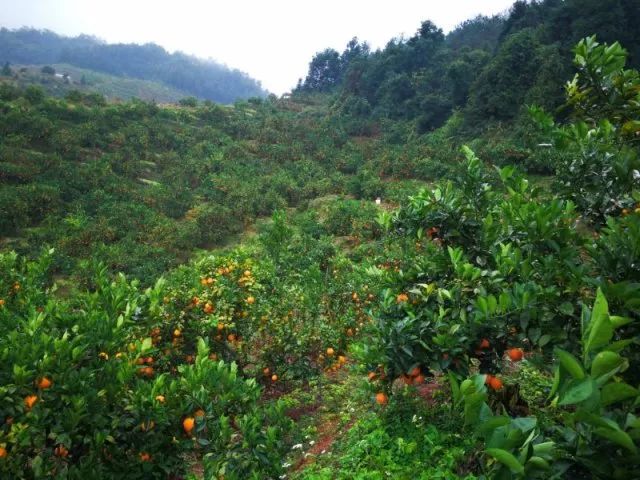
[{"x": 324, "y": 71}]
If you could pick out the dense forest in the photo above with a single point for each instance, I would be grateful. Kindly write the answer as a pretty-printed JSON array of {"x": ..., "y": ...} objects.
[
  {"x": 487, "y": 68},
  {"x": 424, "y": 263},
  {"x": 204, "y": 79}
]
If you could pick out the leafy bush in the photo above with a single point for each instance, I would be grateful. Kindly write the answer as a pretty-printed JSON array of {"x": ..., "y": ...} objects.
[
  {"x": 597, "y": 169},
  {"x": 595, "y": 435},
  {"x": 86, "y": 392}
]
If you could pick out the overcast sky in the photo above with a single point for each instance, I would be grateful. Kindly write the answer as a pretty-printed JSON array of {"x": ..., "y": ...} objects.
[{"x": 273, "y": 41}]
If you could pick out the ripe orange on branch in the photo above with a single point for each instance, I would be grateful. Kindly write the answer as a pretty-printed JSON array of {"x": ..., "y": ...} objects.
[
  {"x": 494, "y": 382},
  {"x": 401, "y": 298},
  {"x": 61, "y": 451},
  {"x": 188, "y": 424},
  {"x": 515, "y": 354},
  {"x": 44, "y": 383},
  {"x": 381, "y": 398},
  {"x": 30, "y": 401}
]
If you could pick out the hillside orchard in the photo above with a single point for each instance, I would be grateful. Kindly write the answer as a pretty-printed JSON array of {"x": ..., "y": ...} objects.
[{"x": 481, "y": 322}]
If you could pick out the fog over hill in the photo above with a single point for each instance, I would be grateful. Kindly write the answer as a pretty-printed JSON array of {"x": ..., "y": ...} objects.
[{"x": 205, "y": 79}]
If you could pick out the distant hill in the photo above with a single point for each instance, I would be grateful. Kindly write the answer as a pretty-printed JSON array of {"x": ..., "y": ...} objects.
[
  {"x": 67, "y": 78},
  {"x": 190, "y": 75}
]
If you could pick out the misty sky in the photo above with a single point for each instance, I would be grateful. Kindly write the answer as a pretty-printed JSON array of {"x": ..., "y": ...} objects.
[{"x": 273, "y": 40}]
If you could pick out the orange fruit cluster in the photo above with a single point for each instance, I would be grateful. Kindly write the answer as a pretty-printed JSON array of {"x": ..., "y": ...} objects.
[{"x": 494, "y": 382}]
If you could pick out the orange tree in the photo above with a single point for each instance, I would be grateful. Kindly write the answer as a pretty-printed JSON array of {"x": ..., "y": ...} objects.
[
  {"x": 274, "y": 307},
  {"x": 476, "y": 273},
  {"x": 82, "y": 394},
  {"x": 494, "y": 266}
]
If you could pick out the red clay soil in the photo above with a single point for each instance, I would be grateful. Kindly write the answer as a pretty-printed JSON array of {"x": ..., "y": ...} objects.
[
  {"x": 296, "y": 414},
  {"x": 329, "y": 431},
  {"x": 427, "y": 391},
  {"x": 326, "y": 437}
]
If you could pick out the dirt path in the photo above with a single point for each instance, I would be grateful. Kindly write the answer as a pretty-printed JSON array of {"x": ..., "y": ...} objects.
[
  {"x": 328, "y": 433},
  {"x": 329, "y": 414}
]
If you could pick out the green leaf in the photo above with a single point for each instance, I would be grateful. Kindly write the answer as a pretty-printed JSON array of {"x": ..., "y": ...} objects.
[
  {"x": 566, "y": 308},
  {"x": 570, "y": 364},
  {"x": 525, "y": 424},
  {"x": 618, "y": 322},
  {"x": 455, "y": 388},
  {"x": 544, "y": 339},
  {"x": 617, "y": 436},
  {"x": 506, "y": 459},
  {"x": 77, "y": 352},
  {"x": 578, "y": 392},
  {"x": 616, "y": 392},
  {"x": 466, "y": 385},
  {"x": 595, "y": 420},
  {"x": 544, "y": 448},
  {"x": 632, "y": 421},
  {"x": 539, "y": 462},
  {"x": 493, "y": 423},
  {"x": 472, "y": 407},
  {"x": 599, "y": 330},
  {"x": 619, "y": 345},
  {"x": 556, "y": 383},
  {"x": 146, "y": 344},
  {"x": 492, "y": 304}
]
